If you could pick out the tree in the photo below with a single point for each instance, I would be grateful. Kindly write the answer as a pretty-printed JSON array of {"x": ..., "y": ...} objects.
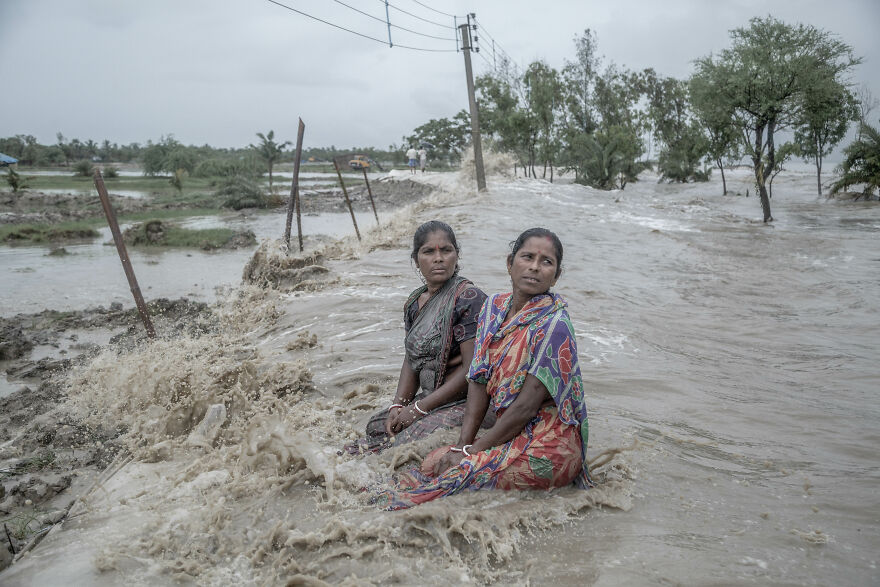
[
  {"x": 542, "y": 85},
  {"x": 579, "y": 80},
  {"x": 861, "y": 163},
  {"x": 867, "y": 103},
  {"x": 155, "y": 156},
  {"x": 269, "y": 151},
  {"x": 447, "y": 135},
  {"x": 827, "y": 109},
  {"x": 762, "y": 80},
  {"x": 716, "y": 119},
  {"x": 502, "y": 118},
  {"x": 683, "y": 146}
]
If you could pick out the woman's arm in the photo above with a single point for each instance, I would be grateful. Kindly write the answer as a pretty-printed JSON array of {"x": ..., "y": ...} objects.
[
  {"x": 474, "y": 412},
  {"x": 407, "y": 386},
  {"x": 514, "y": 419},
  {"x": 453, "y": 387}
]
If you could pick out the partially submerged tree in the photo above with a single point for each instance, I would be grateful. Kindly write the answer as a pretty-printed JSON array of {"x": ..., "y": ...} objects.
[
  {"x": 762, "y": 79},
  {"x": 683, "y": 145},
  {"x": 269, "y": 151},
  {"x": 861, "y": 163},
  {"x": 717, "y": 121},
  {"x": 827, "y": 109}
]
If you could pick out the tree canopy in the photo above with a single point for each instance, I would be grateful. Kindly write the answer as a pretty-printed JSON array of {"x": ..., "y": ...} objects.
[{"x": 764, "y": 82}]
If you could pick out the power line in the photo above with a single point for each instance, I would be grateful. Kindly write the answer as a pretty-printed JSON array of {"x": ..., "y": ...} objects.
[
  {"x": 327, "y": 22},
  {"x": 434, "y": 9},
  {"x": 383, "y": 21},
  {"x": 334, "y": 25},
  {"x": 446, "y": 26}
]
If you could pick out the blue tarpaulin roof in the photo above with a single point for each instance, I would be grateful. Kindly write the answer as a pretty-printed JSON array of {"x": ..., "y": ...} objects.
[{"x": 7, "y": 160}]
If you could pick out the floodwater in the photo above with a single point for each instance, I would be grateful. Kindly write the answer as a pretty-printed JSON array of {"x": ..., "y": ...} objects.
[{"x": 731, "y": 364}]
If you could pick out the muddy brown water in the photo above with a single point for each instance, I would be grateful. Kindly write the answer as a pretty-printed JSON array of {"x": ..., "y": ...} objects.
[{"x": 734, "y": 361}]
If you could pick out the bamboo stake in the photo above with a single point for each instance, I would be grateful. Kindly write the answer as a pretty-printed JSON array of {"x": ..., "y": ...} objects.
[
  {"x": 294, "y": 192},
  {"x": 369, "y": 191},
  {"x": 347, "y": 201},
  {"x": 123, "y": 254}
]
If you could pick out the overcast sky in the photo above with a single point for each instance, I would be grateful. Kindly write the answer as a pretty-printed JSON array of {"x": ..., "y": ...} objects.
[{"x": 218, "y": 71}]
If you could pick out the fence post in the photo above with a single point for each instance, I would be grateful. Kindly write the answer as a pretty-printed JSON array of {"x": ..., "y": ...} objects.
[{"x": 123, "y": 254}]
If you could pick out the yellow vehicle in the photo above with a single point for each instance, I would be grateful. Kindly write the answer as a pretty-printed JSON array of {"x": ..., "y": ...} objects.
[{"x": 359, "y": 162}]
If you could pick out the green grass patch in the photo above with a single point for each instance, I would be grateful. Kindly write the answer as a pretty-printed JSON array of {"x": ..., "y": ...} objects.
[
  {"x": 156, "y": 233},
  {"x": 165, "y": 214},
  {"x": 159, "y": 184},
  {"x": 45, "y": 233}
]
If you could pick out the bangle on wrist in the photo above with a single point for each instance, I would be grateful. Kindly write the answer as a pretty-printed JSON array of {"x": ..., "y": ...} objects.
[
  {"x": 418, "y": 409},
  {"x": 465, "y": 448},
  {"x": 392, "y": 406},
  {"x": 455, "y": 449}
]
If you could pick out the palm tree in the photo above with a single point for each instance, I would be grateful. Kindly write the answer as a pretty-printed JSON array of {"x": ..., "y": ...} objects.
[
  {"x": 861, "y": 163},
  {"x": 269, "y": 150}
]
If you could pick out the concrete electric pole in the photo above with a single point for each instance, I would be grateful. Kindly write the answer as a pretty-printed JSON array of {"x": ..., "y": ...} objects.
[{"x": 466, "y": 46}]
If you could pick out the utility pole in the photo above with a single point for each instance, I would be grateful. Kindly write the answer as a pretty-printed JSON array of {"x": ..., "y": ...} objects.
[{"x": 466, "y": 46}]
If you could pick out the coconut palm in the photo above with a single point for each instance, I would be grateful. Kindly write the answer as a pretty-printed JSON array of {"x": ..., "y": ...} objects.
[
  {"x": 269, "y": 150},
  {"x": 861, "y": 163}
]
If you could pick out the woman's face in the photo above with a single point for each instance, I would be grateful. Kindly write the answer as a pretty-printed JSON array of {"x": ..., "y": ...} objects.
[
  {"x": 437, "y": 259},
  {"x": 533, "y": 267}
]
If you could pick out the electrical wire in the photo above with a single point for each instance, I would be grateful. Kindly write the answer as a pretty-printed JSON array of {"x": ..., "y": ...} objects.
[
  {"x": 334, "y": 25},
  {"x": 446, "y": 26},
  {"x": 435, "y": 10},
  {"x": 328, "y": 23},
  {"x": 383, "y": 21}
]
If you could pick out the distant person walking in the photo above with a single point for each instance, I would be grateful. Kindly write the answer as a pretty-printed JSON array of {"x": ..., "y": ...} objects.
[
  {"x": 423, "y": 158},
  {"x": 411, "y": 156}
]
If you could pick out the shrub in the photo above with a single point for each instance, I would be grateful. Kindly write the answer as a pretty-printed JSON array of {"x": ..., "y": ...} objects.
[
  {"x": 247, "y": 167},
  {"x": 16, "y": 181},
  {"x": 110, "y": 172},
  {"x": 240, "y": 192},
  {"x": 83, "y": 168}
]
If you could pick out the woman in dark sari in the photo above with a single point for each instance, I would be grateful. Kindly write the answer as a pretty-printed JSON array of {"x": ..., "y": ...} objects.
[{"x": 440, "y": 319}]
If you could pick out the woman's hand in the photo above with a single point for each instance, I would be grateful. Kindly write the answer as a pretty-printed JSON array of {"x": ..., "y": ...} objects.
[
  {"x": 440, "y": 460},
  {"x": 402, "y": 419},
  {"x": 393, "y": 413}
]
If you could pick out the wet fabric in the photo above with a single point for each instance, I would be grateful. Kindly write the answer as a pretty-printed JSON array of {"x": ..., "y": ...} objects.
[
  {"x": 551, "y": 449},
  {"x": 450, "y": 315},
  {"x": 434, "y": 334}
]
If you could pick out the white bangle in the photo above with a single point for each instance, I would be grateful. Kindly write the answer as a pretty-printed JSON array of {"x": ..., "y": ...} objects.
[
  {"x": 465, "y": 451},
  {"x": 455, "y": 449},
  {"x": 392, "y": 406},
  {"x": 418, "y": 409}
]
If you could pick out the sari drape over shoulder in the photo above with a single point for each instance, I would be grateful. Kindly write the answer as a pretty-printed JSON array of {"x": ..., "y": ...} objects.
[
  {"x": 434, "y": 333},
  {"x": 551, "y": 450}
]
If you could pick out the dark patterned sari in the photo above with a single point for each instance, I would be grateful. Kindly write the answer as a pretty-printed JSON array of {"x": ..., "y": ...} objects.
[{"x": 434, "y": 334}]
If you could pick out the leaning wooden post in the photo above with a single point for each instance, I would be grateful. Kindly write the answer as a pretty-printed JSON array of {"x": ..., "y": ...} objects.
[
  {"x": 347, "y": 201},
  {"x": 294, "y": 192},
  {"x": 369, "y": 191},
  {"x": 123, "y": 254}
]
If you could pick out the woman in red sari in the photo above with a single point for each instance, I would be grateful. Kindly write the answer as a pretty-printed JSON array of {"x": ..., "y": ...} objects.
[{"x": 525, "y": 368}]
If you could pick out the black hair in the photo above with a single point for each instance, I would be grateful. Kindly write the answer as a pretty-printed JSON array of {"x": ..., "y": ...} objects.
[
  {"x": 427, "y": 228},
  {"x": 538, "y": 232}
]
